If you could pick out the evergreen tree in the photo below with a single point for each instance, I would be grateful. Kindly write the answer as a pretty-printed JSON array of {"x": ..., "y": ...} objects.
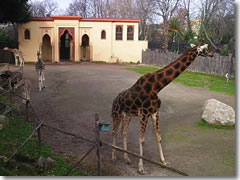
[{"x": 15, "y": 11}]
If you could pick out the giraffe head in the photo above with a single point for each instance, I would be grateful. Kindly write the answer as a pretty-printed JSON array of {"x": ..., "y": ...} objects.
[
  {"x": 203, "y": 50},
  {"x": 38, "y": 55}
]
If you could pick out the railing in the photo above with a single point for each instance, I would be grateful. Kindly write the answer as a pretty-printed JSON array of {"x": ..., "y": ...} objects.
[{"x": 97, "y": 143}]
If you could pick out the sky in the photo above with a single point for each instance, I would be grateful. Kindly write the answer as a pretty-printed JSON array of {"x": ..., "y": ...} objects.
[{"x": 62, "y": 4}]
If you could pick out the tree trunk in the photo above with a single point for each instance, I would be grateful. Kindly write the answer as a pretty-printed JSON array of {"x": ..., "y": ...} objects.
[
  {"x": 15, "y": 30},
  {"x": 165, "y": 31}
]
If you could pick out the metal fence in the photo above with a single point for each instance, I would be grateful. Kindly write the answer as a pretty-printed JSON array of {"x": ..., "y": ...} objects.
[
  {"x": 6, "y": 57},
  {"x": 215, "y": 65}
]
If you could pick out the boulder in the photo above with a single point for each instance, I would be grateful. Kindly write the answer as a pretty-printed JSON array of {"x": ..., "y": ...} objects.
[{"x": 218, "y": 113}]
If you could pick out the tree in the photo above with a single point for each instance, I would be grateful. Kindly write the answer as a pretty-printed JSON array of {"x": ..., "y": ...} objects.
[
  {"x": 78, "y": 8},
  {"x": 165, "y": 9},
  {"x": 44, "y": 8},
  {"x": 144, "y": 12},
  {"x": 14, "y": 11},
  {"x": 218, "y": 21},
  {"x": 187, "y": 8}
]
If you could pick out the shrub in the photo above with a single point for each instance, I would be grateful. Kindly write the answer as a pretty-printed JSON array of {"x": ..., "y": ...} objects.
[{"x": 5, "y": 39}]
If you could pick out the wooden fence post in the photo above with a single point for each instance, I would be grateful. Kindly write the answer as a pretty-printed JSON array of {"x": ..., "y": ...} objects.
[
  {"x": 39, "y": 141},
  {"x": 97, "y": 143},
  {"x": 27, "y": 110}
]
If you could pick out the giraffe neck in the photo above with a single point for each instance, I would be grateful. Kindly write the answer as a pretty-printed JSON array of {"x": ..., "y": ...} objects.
[
  {"x": 11, "y": 50},
  {"x": 170, "y": 72}
]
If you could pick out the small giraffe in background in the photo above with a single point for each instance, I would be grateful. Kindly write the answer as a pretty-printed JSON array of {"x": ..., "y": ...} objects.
[
  {"x": 17, "y": 55},
  {"x": 26, "y": 89},
  {"x": 142, "y": 100},
  {"x": 40, "y": 68}
]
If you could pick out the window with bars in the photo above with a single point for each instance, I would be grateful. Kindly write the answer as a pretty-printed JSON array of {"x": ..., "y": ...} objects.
[
  {"x": 130, "y": 33},
  {"x": 119, "y": 33}
]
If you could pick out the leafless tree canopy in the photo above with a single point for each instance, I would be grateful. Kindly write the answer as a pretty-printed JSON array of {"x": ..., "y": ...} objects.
[
  {"x": 43, "y": 8},
  {"x": 217, "y": 16}
]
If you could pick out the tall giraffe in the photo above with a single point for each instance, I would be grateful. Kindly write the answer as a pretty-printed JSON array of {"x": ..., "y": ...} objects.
[
  {"x": 142, "y": 100},
  {"x": 17, "y": 55}
]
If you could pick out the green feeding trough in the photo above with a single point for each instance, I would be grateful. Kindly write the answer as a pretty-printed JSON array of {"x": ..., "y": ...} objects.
[{"x": 104, "y": 126}]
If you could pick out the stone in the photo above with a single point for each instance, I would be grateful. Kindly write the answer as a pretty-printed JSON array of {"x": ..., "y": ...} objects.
[
  {"x": 218, "y": 113},
  {"x": 45, "y": 163},
  {"x": 49, "y": 163},
  {"x": 3, "y": 122}
]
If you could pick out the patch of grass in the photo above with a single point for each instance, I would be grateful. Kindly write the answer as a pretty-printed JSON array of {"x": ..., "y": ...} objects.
[
  {"x": 229, "y": 159},
  {"x": 24, "y": 162},
  {"x": 204, "y": 125},
  {"x": 213, "y": 82}
]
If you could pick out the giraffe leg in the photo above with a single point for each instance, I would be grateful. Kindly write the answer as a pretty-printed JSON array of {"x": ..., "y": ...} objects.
[
  {"x": 116, "y": 122},
  {"x": 40, "y": 80},
  {"x": 24, "y": 96},
  {"x": 125, "y": 124},
  {"x": 43, "y": 79},
  {"x": 22, "y": 61},
  {"x": 16, "y": 61},
  {"x": 28, "y": 94},
  {"x": 143, "y": 124},
  {"x": 155, "y": 118}
]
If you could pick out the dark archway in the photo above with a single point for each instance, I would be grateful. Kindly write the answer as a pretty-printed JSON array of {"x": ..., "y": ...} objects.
[
  {"x": 46, "y": 48},
  {"x": 85, "y": 48},
  {"x": 66, "y": 47}
]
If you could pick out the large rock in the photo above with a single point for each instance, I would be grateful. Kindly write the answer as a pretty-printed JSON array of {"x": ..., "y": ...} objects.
[{"x": 218, "y": 113}]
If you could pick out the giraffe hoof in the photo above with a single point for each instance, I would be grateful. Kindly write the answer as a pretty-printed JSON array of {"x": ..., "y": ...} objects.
[
  {"x": 164, "y": 163},
  {"x": 142, "y": 172},
  {"x": 128, "y": 161},
  {"x": 114, "y": 157}
]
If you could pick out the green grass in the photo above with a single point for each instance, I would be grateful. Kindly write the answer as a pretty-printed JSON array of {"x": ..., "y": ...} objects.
[
  {"x": 213, "y": 82},
  {"x": 23, "y": 163},
  {"x": 229, "y": 159},
  {"x": 204, "y": 125}
]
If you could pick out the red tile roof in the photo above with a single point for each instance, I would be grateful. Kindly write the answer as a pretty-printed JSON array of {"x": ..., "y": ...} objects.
[{"x": 52, "y": 18}]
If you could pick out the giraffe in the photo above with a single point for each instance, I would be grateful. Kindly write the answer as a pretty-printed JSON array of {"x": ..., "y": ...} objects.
[
  {"x": 142, "y": 100},
  {"x": 17, "y": 55},
  {"x": 40, "y": 67},
  {"x": 26, "y": 89}
]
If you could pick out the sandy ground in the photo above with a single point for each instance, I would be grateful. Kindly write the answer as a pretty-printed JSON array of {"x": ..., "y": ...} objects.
[{"x": 75, "y": 92}]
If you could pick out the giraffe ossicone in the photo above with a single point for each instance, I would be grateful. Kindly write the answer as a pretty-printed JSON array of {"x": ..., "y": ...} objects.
[{"x": 142, "y": 100}]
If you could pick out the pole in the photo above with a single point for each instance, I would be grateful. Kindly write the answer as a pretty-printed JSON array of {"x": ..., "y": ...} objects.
[
  {"x": 27, "y": 110},
  {"x": 97, "y": 142},
  {"x": 39, "y": 141}
]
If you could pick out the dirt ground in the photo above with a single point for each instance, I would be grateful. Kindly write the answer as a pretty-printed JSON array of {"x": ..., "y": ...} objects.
[{"x": 75, "y": 92}]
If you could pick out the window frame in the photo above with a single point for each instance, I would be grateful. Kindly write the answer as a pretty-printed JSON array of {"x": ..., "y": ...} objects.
[
  {"x": 103, "y": 31},
  {"x": 130, "y": 34},
  {"x": 27, "y": 36},
  {"x": 117, "y": 34}
]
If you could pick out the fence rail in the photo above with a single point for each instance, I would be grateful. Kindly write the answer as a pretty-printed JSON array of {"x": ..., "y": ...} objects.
[
  {"x": 97, "y": 143},
  {"x": 6, "y": 57},
  {"x": 215, "y": 65}
]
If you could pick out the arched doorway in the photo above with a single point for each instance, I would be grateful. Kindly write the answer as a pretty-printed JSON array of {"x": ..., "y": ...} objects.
[
  {"x": 85, "y": 48},
  {"x": 46, "y": 48},
  {"x": 66, "y": 47}
]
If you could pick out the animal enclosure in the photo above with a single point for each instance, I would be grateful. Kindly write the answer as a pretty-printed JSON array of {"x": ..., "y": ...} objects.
[{"x": 215, "y": 65}]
